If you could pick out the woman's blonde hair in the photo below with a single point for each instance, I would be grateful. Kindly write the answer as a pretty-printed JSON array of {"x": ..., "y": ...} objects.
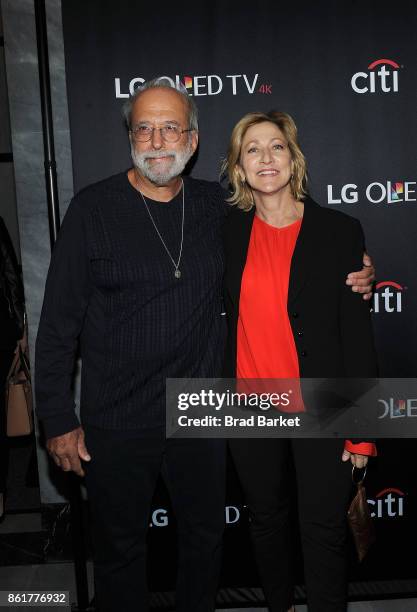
[{"x": 241, "y": 192}]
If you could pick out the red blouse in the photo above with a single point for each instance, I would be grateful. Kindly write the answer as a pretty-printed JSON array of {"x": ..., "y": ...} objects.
[{"x": 263, "y": 323}]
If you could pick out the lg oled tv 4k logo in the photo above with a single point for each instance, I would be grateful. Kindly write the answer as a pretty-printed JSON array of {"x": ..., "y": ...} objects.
[
  {"x": 382, "y": 77},
  {"x": 203, "y": 84},
  {"x": 388, "y": 297},
  {"x": 160, "y": 516},
  {"x": 388, "y": 503}
]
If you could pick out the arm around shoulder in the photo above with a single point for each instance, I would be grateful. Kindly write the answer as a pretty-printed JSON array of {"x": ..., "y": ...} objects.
[{"x": 360, "y": 358}]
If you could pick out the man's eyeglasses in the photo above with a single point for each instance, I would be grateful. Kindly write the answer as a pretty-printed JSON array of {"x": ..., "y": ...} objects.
[{"x": 169, "y": 133}]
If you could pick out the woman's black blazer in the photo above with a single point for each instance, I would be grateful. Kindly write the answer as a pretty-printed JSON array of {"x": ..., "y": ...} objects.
[{"x": 330, "y": 324}]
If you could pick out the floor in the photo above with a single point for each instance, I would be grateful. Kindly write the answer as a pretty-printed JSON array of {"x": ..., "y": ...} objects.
[
  {"x": 26, "y": 541},
  {"x": 60, "y": 576}
]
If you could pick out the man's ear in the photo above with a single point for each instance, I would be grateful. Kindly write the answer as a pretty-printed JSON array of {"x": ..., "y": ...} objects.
[{"x": 194, "y": 140}]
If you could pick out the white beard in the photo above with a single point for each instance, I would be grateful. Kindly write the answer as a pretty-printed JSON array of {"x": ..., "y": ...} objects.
[{"x": 165, "y": 171}]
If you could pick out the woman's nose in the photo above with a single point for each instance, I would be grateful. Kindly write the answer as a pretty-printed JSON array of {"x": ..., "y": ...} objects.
[{"x": 266, "y": 156}]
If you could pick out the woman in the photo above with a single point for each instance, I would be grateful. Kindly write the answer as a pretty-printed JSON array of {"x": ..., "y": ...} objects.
[
  {"x": 11, "y": 329},
  {"x": 281, "y": 325}
]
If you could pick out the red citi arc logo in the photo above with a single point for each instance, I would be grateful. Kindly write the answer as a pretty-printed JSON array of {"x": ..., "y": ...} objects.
[
  {"x": 382, "y": 78},
  {"x": 388, "y": 503},
  {"x": 387, "y": 297}
]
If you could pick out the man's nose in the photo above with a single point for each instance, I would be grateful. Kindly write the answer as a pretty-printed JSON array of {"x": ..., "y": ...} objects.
[{"x": 156, "y": 139}]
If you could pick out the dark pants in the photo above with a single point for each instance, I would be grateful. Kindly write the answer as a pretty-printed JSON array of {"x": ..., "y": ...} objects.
[
  {"x": 6, "y": 358},
  {"x": 120, "y": 482},
  {"x": 323, "y": 487}
]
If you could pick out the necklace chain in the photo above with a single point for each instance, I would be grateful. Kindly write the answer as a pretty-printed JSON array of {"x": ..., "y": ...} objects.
[{"x": 177, "y": 271}]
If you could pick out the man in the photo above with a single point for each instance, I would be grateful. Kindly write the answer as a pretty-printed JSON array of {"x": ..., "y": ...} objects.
[{"x": 136, "y": 275}]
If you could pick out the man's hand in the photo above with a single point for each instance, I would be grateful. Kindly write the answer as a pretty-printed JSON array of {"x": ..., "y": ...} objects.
[
  {"x": 359, "y": 461},
  {"x": 66, "y": 451},
  {"x": 361, "y": 282}
]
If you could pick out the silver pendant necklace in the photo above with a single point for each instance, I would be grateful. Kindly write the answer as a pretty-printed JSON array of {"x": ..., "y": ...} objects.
[{"x": 177, "y": 271}]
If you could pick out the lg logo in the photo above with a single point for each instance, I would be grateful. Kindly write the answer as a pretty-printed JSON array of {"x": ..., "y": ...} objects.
[
  {"x": 159, "y": 518},
  {"x": 381, "y": 78},
  {"x": 348, "y": 194}
]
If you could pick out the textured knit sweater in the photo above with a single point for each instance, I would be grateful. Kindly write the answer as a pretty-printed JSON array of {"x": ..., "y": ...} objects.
[{"x": 111, "y": 288}]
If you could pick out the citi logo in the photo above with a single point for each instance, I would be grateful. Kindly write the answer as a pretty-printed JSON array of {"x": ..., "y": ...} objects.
[
  {"x": 387, "y": 297},
  {"x": 382, "y": 77},
  {"x": 201, "y": 85},
  {"x": 388, "y": 503}
]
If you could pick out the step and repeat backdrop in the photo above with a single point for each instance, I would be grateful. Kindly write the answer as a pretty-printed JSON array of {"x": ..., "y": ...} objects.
[{"x": 347, "y": 73}]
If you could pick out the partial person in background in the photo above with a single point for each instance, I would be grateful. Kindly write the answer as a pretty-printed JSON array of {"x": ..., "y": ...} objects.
[
  {"x": 11, "y": 331},
  {"x": 282, "y": 324}
]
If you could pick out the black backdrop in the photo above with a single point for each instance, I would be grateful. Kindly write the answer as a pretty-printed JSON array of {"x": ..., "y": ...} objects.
[{"x": 347, "y": 73}]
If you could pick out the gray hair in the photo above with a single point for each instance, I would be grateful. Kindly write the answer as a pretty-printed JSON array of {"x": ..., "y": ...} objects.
[{"x": 167, "y": 83}]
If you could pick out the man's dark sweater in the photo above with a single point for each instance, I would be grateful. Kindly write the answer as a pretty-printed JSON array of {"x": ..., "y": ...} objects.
[{"x": 111, "y": 285}]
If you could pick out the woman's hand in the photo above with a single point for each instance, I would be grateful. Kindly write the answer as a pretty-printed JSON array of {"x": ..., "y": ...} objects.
[{"x": 359, "y": 461}]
